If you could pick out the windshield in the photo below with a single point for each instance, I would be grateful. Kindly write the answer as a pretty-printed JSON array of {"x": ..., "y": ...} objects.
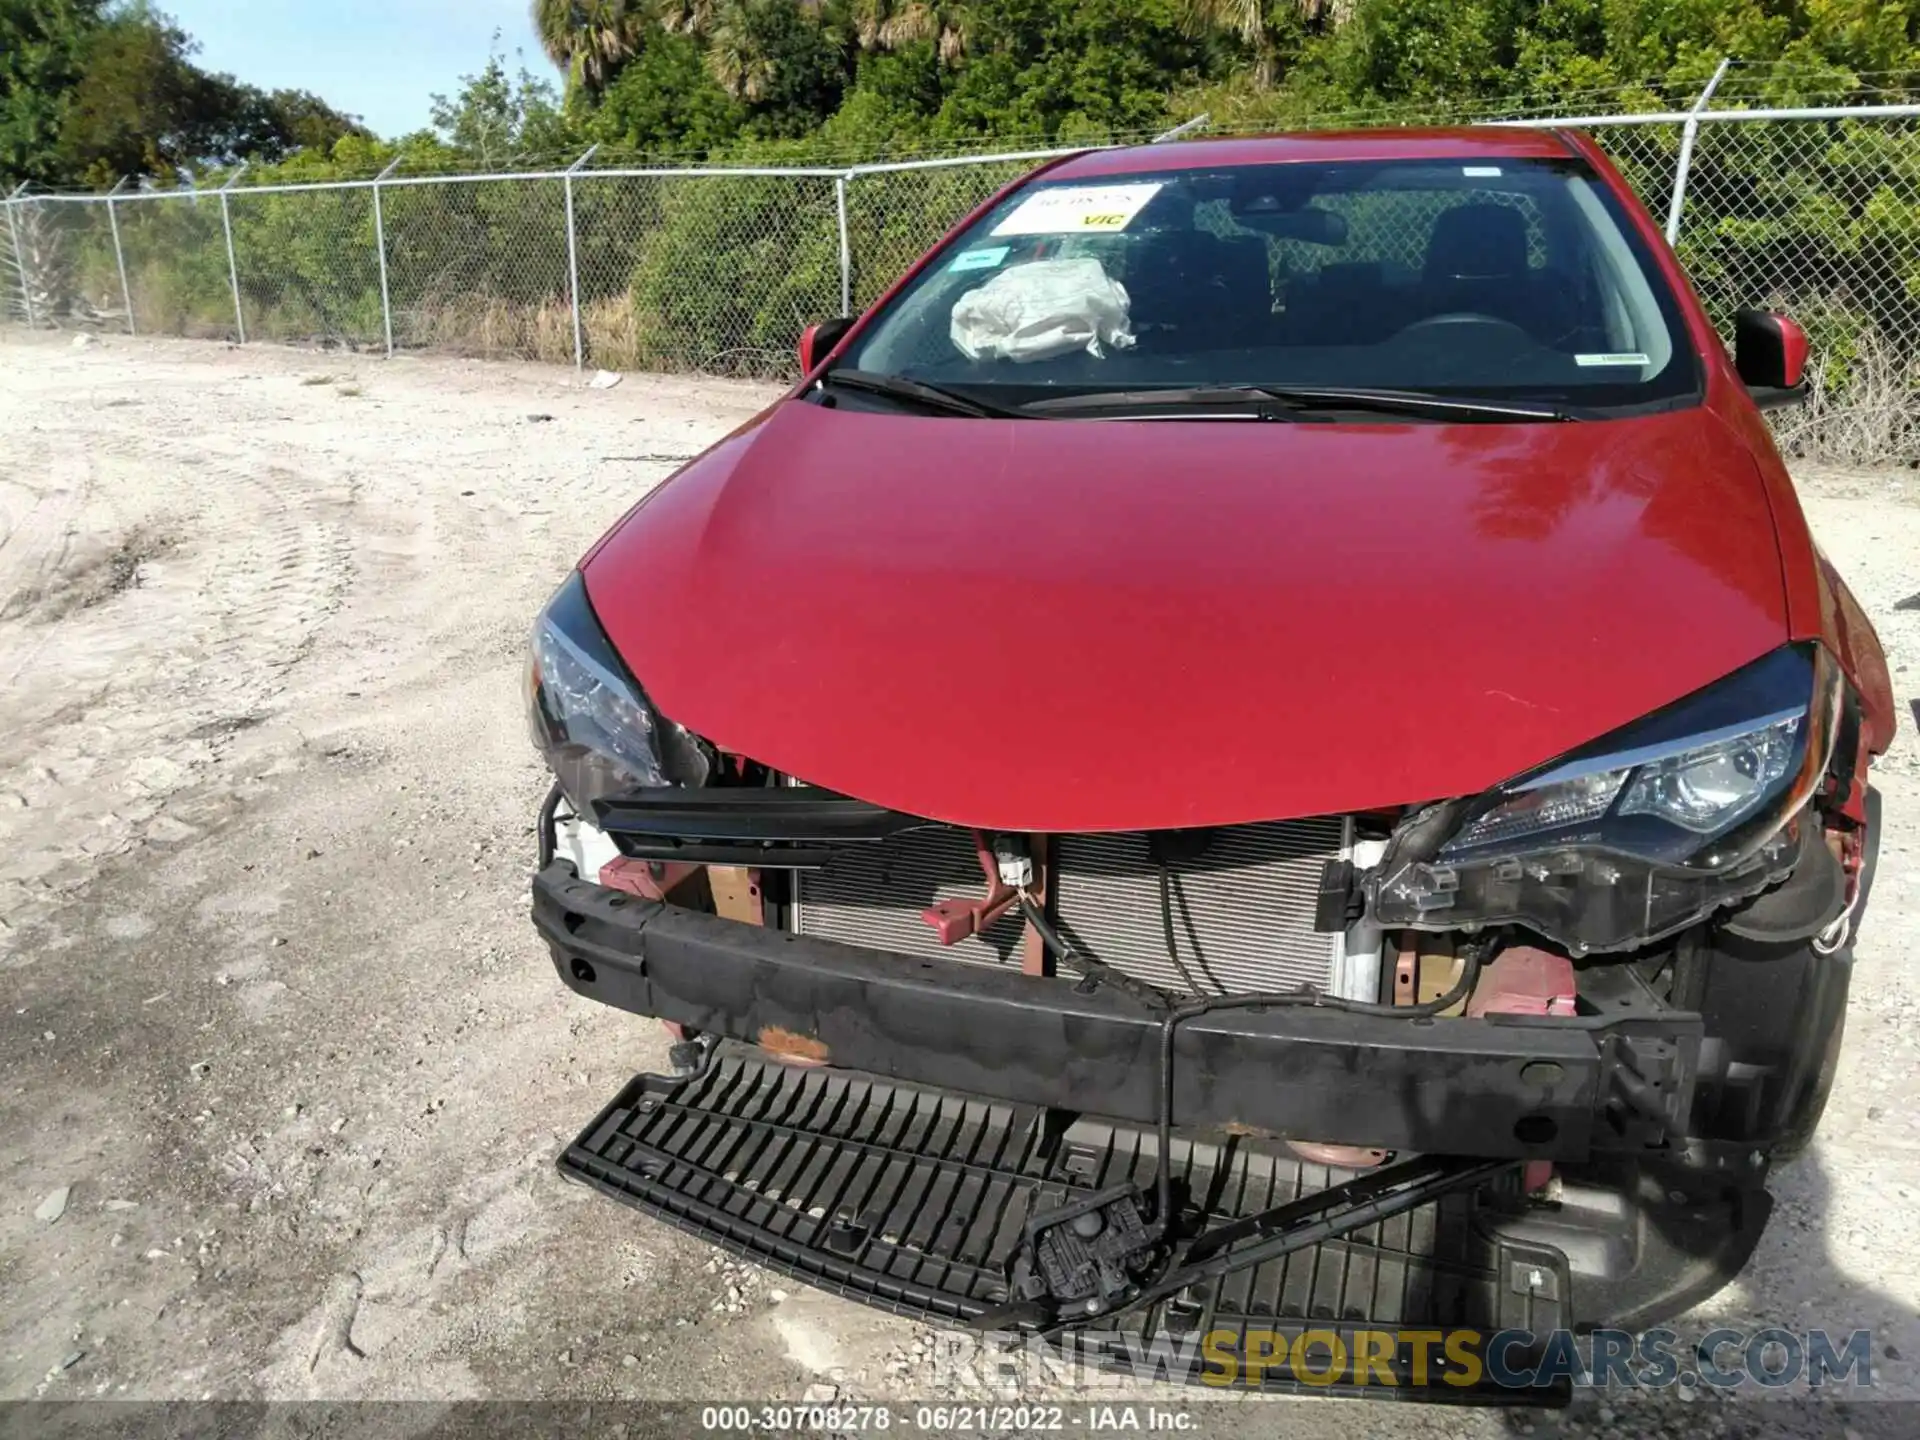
[{"x": 1521, "y": 280}]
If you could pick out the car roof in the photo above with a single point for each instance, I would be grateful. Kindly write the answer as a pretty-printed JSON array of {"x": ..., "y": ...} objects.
[{"x": 1464, "y": 142}]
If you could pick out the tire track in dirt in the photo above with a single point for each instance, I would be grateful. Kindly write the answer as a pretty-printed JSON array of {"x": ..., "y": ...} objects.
[
  {"x": 250, "y": 560},
  {"x": 37, "y": 531}
]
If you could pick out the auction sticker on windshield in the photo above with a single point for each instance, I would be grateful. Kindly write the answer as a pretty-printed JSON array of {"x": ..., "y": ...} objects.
[
  {"x": 984, "y": 259},
  {"x": 1078, "y": 210}
]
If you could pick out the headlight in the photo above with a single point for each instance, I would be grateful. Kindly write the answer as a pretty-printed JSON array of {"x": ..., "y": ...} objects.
[
  {"x": 590, "y": 721},
  {"x": 1638, "y": 835}
]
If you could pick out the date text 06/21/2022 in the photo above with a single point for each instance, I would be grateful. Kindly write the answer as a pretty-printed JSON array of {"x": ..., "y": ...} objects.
[{"x": 970, "y": 1418}]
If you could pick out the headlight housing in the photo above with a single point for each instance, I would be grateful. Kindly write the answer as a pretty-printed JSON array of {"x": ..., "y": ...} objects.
[
  {"x": 589, "y": 719},
  {"x": 1635, "y": 836}
]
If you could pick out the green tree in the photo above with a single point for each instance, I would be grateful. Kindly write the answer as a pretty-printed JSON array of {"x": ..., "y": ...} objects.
[
  {"x": 591, "y": 39},
  {"x": 89, "y": 95},
  {"x": 780, "y": 60},
  {"x": 666, "y": 99},
  {"x": 1272, "y": 32},
  {"x": 1427, "y": 50},
  {"x": 1246, "y": 21},
  {"x": 738, "y": 53},
  {"x": 898, "y": 24},
  {"x": 497, "y": 118},
  {"x": 43, "y": 47},
  {"x": 1070, "y": 68},
  {"x": 280, "y": 122},
  {"x": 141, "y": 107}
]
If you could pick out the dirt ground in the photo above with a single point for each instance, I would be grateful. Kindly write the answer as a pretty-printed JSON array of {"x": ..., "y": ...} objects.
[{"x": 273, "y": 1016}]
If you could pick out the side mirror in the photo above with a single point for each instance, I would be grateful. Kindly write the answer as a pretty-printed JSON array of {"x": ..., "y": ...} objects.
[
  {"x": 1770, "y": 352},
  {"x": 817, "y": 341}
]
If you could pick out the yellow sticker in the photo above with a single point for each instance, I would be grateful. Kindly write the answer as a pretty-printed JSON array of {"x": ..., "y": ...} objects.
[{"x": 1078, "y": 210}]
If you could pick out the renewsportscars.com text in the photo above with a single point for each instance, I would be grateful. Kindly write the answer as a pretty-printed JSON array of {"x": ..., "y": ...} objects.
[{"x": 1420, "y": 1359}]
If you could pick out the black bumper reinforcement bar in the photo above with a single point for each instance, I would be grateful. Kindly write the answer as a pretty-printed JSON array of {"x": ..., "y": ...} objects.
[{"x": 1497, "y": 1087}]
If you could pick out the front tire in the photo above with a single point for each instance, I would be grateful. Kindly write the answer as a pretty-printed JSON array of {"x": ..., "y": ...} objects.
[{"x": 1804, "y": 1117}]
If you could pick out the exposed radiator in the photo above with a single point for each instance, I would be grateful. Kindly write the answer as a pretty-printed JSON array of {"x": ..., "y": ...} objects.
[
  {"x": 873, "y": 894},
  {"x": 1247, "y": 897}
]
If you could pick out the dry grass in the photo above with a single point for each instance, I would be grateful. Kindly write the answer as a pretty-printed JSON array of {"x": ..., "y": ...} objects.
[
  {"x": 487, "y": 327},
  {"x": 613, "y": 334},
  {"x": 478, "y": 326},
  {"x": 550, "y": 332},
  {"x": 1875, "y": 418}
]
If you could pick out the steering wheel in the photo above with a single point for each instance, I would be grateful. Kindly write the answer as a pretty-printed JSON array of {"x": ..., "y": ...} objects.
[{"x": 1460, "y": 317}]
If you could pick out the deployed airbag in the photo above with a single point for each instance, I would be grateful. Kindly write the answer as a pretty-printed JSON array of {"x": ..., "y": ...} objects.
[{"x": 1041, "y": 310}]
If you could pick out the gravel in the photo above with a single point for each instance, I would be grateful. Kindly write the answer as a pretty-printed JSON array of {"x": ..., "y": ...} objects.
[{"x": 293, "y": 715}]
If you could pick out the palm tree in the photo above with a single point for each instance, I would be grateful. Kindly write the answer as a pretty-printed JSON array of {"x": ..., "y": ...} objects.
[
  {"x": 590, "y": 39},
  {"x": 737, "y": 52},
  {"x": 895, "y": 24},
  {"x": 688, "y": 17},
  {"x": 1247, "y": 19},
  {"x": 702, "y": 17},
  {"x": 734, "y": 53}
]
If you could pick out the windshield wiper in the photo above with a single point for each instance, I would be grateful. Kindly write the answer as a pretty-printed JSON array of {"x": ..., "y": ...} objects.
[
  {"x": 1295, "y": 398},
  {"x": 918, "y": 392}
]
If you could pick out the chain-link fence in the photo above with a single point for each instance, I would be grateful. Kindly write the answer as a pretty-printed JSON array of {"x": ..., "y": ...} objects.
[
  {"x": 1812, "y": 211},
  {"x": 895, "y": 214}
]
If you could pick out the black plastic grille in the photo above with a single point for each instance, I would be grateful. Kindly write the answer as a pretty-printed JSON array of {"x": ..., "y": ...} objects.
[{"x": 914, "y": 1200}]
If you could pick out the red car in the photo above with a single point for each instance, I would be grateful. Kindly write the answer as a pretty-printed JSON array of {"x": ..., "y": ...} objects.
[{"x": 1262, "y": 744}]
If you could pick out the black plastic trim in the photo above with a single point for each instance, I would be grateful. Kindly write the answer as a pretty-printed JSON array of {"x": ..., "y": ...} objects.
[
  {"x": 1778, "y": 397},
  {"x": 778, "y": 813}
]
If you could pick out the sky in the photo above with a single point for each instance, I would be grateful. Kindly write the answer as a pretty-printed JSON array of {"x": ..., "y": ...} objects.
[{"x": 378, "y": 59}]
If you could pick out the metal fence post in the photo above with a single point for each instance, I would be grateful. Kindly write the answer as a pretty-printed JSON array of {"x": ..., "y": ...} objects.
[
  {"x": 573, "y": 264},
  {"x": 233, "y": 268},
  {"x": 1688, "y": 134},
  {"x": 380, "y": 244},
  {"x": 19, "y": 255},
  {"x": 119, "y": 255},
  {"x": 1181, "y": 131},
  {"x": 846, "y": 245}
]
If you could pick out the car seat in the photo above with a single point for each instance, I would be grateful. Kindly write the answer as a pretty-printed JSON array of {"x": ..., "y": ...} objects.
[
  {"x": 1199, "y": 290},
  {"x": 1477, "y": 263}
]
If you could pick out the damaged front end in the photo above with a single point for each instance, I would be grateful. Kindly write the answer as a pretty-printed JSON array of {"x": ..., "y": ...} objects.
[
  {"x": 1646, "y": 832},
  {"x": 1518, "y": 1062}
]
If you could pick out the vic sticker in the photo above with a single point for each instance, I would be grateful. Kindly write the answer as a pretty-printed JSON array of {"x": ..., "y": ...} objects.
[{"x": 1078, "y": 210}]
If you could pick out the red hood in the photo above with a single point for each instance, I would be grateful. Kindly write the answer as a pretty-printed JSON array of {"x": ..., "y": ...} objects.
[{"x": 1060, "y": 626}]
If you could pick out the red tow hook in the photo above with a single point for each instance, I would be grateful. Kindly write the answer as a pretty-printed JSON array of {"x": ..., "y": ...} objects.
[{"x": 955, "y": 920}]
